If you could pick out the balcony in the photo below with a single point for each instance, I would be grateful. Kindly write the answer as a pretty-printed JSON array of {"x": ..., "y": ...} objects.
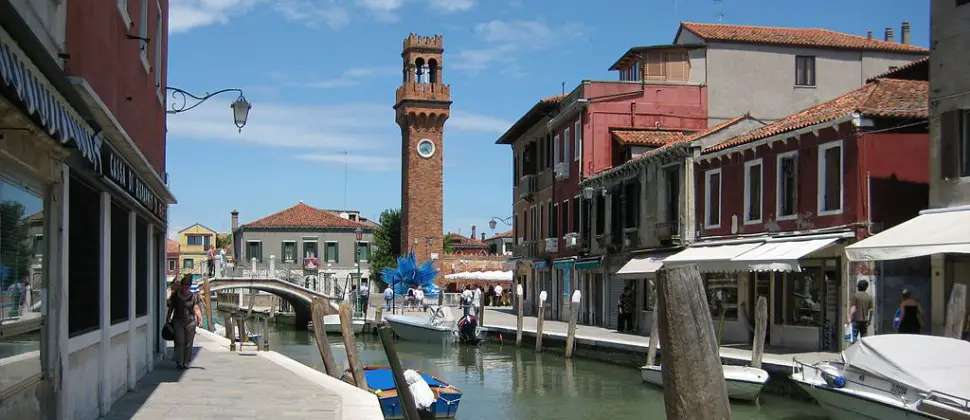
[
  {"x": 527, "y": 249},
  {"x": 552, "y": 245},
  {"x": 631, "y": 238},
  {"x": 667, "y": 231},
  {"x": 562, "y": 170},
  {"x": 528, "y": 187}
]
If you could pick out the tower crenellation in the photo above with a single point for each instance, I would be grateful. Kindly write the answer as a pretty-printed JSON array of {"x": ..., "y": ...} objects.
[{"x": 422, "y": 105}]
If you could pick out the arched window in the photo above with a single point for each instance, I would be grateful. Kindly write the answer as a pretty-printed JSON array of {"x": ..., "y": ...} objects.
[
  {"x": 433, "y": 71},
  {"x": 419, "y": 68}
]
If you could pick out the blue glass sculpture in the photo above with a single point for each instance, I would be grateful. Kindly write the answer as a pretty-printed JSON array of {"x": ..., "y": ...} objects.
[{"x": 408, "y": 274}]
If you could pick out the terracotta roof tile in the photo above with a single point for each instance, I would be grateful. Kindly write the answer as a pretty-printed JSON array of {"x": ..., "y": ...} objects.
[
  {"x": 506, "y": 234},
  {"x": 881, "y": 98},
  {"x": 653, "y": 138},
  {"x": 302, "y": 215},
  {"x": 905, "y": 71},
  {"x": 808, "y": 37},
  {"x": 172, "y": 246},
  {"x": 462, "y": 241}
]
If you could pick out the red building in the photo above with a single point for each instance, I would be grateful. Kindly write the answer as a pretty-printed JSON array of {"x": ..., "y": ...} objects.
[{"x": 777, "y": 205}]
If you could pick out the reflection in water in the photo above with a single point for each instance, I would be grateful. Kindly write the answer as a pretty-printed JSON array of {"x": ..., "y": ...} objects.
[{"x": 503, "y": 382}]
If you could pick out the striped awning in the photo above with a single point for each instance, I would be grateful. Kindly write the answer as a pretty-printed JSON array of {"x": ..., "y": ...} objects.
[{"x": 45, "y": 104}]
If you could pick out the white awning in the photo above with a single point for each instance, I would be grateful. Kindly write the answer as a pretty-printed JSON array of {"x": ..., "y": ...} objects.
[
  {"x": 640, "y": 267},
  {"x": 714, "y": 256},
  {"x": 937, "y": 231},
  {"x": 782, "y": 254}
]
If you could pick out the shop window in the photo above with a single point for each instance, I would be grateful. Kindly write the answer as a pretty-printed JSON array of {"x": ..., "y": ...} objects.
[
  {"x": 830, "y": 178},
  {"x": 798, "y": 298},
  {"x": 84, "y": 266},
  {"x": 787, "y": 186},
  {"x": 753, "y": 191},
  {"x": 722, "y": 293},
  {"x": 141, "y": 267},
  {"x": 120, "y": 263}
]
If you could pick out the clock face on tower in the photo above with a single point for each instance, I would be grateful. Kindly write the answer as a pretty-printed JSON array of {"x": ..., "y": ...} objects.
[{"x": 426, "y": 148}]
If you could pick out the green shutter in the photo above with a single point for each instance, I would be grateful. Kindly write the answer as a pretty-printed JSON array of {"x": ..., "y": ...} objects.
[
  {"x": 336, "y": 252},
  {"x": 283, "y": 251},
  {"x": 326, "y": 252}
]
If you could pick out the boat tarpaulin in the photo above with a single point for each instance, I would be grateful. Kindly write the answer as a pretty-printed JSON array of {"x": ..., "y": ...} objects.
[
  {"x": 935, "y": 231},
  {"x": 925, "y": 362},
  {"x": 383, "y": 379}
]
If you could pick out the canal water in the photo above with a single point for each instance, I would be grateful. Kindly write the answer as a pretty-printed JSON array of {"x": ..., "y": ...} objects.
[{"x": 502, "y": 382}]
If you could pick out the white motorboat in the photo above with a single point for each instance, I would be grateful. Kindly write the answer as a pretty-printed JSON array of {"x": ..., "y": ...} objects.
[
  {"x": 743, "y": 382},
  {"x": 331, "y": 324},
  {"x": 895, "y": 376},
  {"x": 440, "y": 327}
]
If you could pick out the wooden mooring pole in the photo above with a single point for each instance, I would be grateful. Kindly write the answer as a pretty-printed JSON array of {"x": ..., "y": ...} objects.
[
  {"x": 350, "y": 343},
  {"x": 760, "y": 331},
  {"x": 317, "y": 312},
  {"x": 539, "y": 320},
  {"x": 227, "y": 320},
  {"x": 573, "y": 315},
  {"x": 693, "y": 378},
  {"x": 956, "y": 311},
  {"x": 518, "y": 316},
  {"x": 208, "y": 304},
  {"x": 654, "y": 332},
  {"x": 410, "y": 410}
]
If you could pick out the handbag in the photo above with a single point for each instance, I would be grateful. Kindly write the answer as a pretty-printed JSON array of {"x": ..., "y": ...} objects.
[{"x": 168, "y": 332}]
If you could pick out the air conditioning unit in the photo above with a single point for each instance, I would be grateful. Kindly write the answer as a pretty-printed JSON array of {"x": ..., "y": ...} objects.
[{"x": 572, "y": 240}]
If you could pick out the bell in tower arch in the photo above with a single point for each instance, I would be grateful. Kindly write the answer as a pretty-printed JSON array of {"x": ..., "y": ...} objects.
[
  {"x": 419, "y": 68},
  {"x": 433, "y": 71}
]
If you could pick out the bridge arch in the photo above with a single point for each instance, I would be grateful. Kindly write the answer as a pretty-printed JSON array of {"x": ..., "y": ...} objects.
[{"x": 293, "y": 293}]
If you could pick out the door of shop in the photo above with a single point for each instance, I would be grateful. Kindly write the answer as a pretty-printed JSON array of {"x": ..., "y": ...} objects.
[
  {"x": 760, "y": 286},
  {"x": 831, "y": 302}
]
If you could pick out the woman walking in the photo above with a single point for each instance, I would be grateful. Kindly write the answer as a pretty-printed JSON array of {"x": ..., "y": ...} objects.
[
  {"x": 911, "y": 315},
  {"x": 184, "y": 315}
]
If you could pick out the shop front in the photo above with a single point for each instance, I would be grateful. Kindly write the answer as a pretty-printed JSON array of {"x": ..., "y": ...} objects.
[
  {"x": 81, "y": 251},
  {"x": 640, "y": 272},
  {"x": 589, "y": 281},
  {"x": 614, "y": 287},
  {"x": 542, "y": 282},
  {"x": 801, "y": 278},
  {"x": 564, "y": 272}
]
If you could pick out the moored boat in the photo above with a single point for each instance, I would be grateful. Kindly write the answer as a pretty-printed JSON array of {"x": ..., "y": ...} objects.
[
  {"x": 440, "y": 327},
  {"x": 331, "y": 324},
  {"x": 380, "y": 380},
  {"x": 894, "y": 376},
  {"x": 743, "y": 382}
]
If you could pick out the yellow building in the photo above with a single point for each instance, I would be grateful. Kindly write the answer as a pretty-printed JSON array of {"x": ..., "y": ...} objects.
[{"x": 194, "y": 242}]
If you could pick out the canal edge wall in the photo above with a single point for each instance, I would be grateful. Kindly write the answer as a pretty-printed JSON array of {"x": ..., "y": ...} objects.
[{"x": 356, "y": 404}]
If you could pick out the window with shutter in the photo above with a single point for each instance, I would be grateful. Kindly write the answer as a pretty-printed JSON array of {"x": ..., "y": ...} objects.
[
  {"x": 676, "y": 65},
  {"x": 712, "y": 202},
  {"x": 830, "y": 178},
  {"x": 655, "y": 65},
  {"x": 950, "y": 147},
  {"x": 564, "y": 209}
]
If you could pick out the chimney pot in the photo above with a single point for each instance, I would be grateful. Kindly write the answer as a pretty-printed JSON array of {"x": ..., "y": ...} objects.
[
  {"x": 869, "y": 34},
  {"x": 473, "y": 232},
  {"x": 483, "y": 236},
  {"x": 235, "y": 220},
  {"x": 904, "y": 35},
  {"x": 889, "y": 35}
]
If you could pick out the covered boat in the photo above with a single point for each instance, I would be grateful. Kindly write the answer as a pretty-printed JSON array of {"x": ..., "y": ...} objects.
[
  {"x": 440, "y": 327},
  {"x": 743, "y": 382},
  {"x": 332, "y": 324},
  {"x": 893, "y": 376},
  {"x": 381, "y": 381}
]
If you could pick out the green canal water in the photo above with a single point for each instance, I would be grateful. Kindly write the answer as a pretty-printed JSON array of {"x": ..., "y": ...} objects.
[{"x": 502, "y": 382}]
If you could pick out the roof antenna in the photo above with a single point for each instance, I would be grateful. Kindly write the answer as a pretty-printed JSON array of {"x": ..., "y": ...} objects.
[
  {"x": 345, "y": 179},
  {"x": 564, "y": 88},
  {"x": 719, "y": 13}
]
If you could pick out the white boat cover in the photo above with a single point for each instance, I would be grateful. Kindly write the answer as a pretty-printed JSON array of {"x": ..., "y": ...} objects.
[
  {"x": 935, "y": 231},
  {"x": 923, "y": 362}
]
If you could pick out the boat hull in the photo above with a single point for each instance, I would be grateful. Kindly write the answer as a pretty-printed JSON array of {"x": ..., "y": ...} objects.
[
  {"x": 844, "y": 406},
  {"x": 743, "y": 383},
  {"x": 380, "y": 381},
  {"x": 413, "y": 329},
  {"x": 331, "y": 325}
]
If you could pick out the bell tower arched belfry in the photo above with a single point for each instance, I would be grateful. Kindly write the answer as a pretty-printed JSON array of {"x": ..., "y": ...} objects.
[{"x": 423, "y": 105}]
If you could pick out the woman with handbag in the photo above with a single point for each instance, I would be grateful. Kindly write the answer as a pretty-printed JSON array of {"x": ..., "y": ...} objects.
[{"x": 183, "y": 316}]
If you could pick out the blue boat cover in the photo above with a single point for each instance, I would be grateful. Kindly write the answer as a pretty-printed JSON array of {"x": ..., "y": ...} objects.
[{"x": 383, "y": 379}]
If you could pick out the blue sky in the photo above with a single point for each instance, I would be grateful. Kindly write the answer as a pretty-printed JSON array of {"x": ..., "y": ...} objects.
[{"x": 321, "y": 76}]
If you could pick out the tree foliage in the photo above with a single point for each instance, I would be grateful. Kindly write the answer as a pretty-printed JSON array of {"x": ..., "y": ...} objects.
[
  {"x": 223, "y": 241},
  {"x": 448, "y": 245},
  {"x": 387, "y": 241},
  {"x": 15, "y": 250}
]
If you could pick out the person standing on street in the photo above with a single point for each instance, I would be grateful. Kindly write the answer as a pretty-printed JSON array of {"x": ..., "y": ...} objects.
[
  {"x": 861, "y": 311},
  {"x": 911, "y": 317},
  {"x": 364, "y": 293},
  {"x": 497, "y": 298},
  {"x": 624, "y": 322},
  {"x": 184, "y": 315},
  {"x": 388, "y": 297},
  {"x": 211, "y": 253}
]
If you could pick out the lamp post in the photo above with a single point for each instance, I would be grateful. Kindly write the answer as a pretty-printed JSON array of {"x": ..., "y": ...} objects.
[
  {"x": 588, "y": 193},
  {"x": 360, "y": 236},
  {"x": 240, "y": 107},
  {"x": 494, "y": 221}
]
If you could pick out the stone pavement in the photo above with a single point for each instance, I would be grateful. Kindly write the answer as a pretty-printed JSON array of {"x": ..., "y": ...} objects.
[
  {"x": 242, "y": 385},
  {"x": 503, "y": 320}
]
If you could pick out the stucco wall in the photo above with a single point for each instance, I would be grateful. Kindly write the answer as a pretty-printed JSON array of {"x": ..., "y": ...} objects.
[
  {"x": 949, "y": 87},
  {"x": 273, "y": 245},
  {"x": 46, "y": 19}
]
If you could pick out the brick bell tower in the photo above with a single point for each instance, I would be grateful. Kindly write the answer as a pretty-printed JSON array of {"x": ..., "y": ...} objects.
[{"x": 423, "y": 105}]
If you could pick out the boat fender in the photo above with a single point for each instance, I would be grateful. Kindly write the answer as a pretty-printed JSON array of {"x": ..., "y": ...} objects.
[{"x": 832, "y": 375}]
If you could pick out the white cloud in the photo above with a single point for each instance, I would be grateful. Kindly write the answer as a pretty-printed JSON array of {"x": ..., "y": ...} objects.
[
  {"x": 313, "y": 12},
  {"x": 354, "y": 76},
  {"x": 451, "y": 6},
  {"x": 185, "y": 15},
  {"x": 382, "y": 9},
  {"x": 505, "y": 41},
  {"x": 357, "y": 161},
  {"x": 476, "y": 122}
]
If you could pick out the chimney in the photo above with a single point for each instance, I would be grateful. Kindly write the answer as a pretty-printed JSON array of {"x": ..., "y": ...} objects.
[
  {"x": 904, "y": 35},
  {"x": 889, "y": 35},
  {"x": 869, "y": 34},
  {"x": 483, "y": 236},
  {"x": 235, "y": 220},
  {"x": 473, "y": 232}
]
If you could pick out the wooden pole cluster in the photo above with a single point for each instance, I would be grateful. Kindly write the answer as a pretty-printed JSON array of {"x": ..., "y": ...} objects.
[
  {"x": 208, "y": 304},
  {"x": 227, "y": 321},
  {"x": 317, "y": 312},
  {"x": 693, "y": 378},
  {"x": 654, "y": 331},
  {"x": 350, "y": 343},
  {"x": 518, "y": 316},
  {"x": 539, "y": 321},
  {"x": 573, "y": 315},
  {"x": 956, "y": 311},
  {"x": 481, "y": 304},
  {"x": 760, "y": 331},
  {"x": 403, "y": 390}
]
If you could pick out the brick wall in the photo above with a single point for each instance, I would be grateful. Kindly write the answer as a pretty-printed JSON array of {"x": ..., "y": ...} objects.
[{"x": 422, "y": 182}]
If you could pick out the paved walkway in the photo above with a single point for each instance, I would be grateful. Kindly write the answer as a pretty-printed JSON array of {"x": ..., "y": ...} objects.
[
  {"x": 503, "y": 320},
  {"x": 242, "y": 385}
]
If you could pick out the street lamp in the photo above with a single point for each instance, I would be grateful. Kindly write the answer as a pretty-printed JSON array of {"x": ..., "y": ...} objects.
[
  {"x": 360, "y": 236},
  {"x": 240, "y": 107},
  {"x": 493, "y": 222}
]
